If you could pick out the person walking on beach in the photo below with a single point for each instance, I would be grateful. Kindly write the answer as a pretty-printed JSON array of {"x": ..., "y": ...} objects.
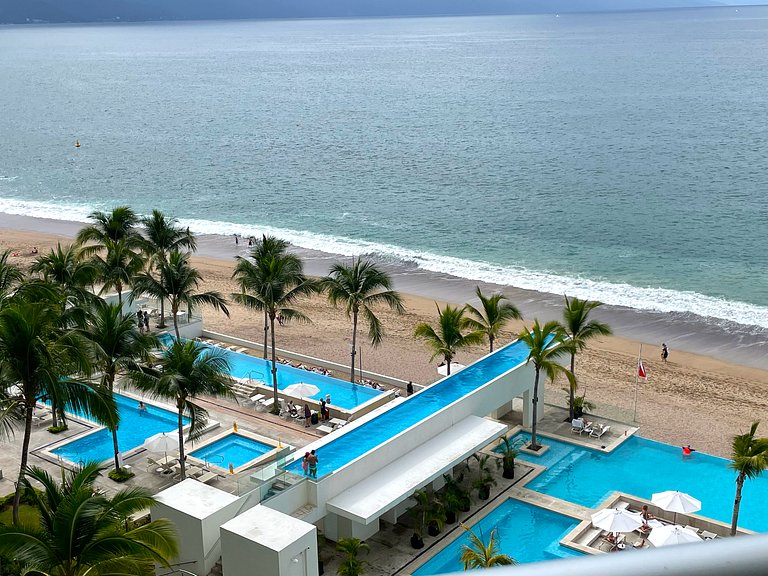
[
  {"x": 312, "y": 459},
  {"x": 237, "y": 240},
  {"x": 146, "y": 321},
  {"x": 140, "y": 318},
  {"x": 664, "y": 353}
]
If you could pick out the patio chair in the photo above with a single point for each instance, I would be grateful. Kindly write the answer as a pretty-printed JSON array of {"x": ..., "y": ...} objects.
[
  {"x": 599, "y": 431},
  {"x": 577, "y": 426},
  {"x": 207, "y": 477}
]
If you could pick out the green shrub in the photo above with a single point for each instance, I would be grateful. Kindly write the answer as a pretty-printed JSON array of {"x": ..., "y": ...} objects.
[
  {"x": 121, "y": 474},
  {"x": 58, "y": 429}
]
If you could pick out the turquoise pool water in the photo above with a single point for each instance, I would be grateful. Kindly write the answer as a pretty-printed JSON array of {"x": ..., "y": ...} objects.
[
  {"x": 642, "y": 467},
  {"x": 232, "y": 449},
  {"x": 135, "y": 428},
  {"x": 343, "y": 394},
  {"x": 360, "y": 440},
  {"x": 525, "y": 532}
]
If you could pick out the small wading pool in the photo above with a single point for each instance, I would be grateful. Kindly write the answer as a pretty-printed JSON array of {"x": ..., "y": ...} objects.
[
  {"x": 234, "y": 448},
  {"x": 524, "y": 532}
]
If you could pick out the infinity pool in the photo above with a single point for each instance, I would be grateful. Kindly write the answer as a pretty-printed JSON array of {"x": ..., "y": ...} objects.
[
  {"x": 524, "y": 532},
  {"x": 135, "y": 428},
  {"x": 641, "y": 467},
  {"x": 234, "y": 449},
  {"x": 365, "y": 437}
]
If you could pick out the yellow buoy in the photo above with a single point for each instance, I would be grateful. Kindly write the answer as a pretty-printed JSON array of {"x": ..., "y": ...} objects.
[{"x": 234, "y": 425}]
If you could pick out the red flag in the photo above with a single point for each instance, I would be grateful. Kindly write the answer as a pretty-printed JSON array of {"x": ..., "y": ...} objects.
[{"x": 641, "y": 370}]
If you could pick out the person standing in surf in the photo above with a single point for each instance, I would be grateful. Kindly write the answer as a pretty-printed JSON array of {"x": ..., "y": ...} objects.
[{"x": 664, "y": 353}]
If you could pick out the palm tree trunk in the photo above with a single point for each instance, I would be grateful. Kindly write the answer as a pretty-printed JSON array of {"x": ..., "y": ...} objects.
[
  {"x": 490, "y": 341},
  {"x": 535, "y": 403},
  {"x": 266, "y": 332},
  {"x": 162, "y": 313},
  {"x": 571, "y": 391},
  {"x": 448, "y": 366},
  {"x": 117, "y": 449},
  {"x": 174, "y": 310},
  {"x": 354, "y": 344},
  {"x": 276, "y": 405},
  {"x": 182, "y": 463},
  {"x": 119, "y": 287},
  {"x": 737, "y": 503},
  {"x": 24, "y": 456}
]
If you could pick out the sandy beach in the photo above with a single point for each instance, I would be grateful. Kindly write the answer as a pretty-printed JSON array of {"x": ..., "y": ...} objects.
[{"x": 694, "y": 398}]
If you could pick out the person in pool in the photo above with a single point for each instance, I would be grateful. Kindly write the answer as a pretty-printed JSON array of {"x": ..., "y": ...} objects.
[
  {"x": 688, "y": 451},
  {"x": 142, "y": 408}
]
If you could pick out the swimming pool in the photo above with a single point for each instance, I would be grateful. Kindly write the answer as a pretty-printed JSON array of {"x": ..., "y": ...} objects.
[
  {"x": 234, "y": 449},
  {"x": 641, "y": 467},
  {"x": 358, "y": 441},
  {"x": 343, "y": 394},
  {"x": 135, "y": 428},
  {"x": 525, "y": 532}
]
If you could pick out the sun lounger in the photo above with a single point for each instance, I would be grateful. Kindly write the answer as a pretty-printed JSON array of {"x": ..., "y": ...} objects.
[
  {"x": 257, "y": 397},
  {"x": 207, "y": 477},
  {"x": 708, "y": 535},
  {"x": 577, "y": 426},
  {"x": 324, "y": 429},
  {"x": 598, "y": 432},
  {"x": 268, "y": 403}
]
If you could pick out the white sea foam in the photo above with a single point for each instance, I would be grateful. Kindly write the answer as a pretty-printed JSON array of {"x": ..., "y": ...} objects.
[{"x": 641, "y": 298}]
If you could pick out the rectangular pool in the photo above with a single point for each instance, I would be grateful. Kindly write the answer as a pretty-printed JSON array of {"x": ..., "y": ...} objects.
[
  {"x": 524, "y": 532},
  {"x": 343, "y": 394},
  {"x": 234, "y": 449},
  {"x": 641, "y": 467},
  {"x": 135, "y": 428}
]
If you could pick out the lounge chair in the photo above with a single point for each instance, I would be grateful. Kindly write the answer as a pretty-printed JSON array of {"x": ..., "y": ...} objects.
[
  {"x": 598, "y": 432},
  {"x": 207, "y": 477},
  {"x": 708, "y": 535},
  {"x": 161, "y": 467},
  {"x": 577, "y": 426}
]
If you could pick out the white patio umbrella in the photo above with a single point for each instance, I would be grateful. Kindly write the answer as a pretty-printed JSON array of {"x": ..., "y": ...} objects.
[
  {"x": 301, "y": 389},
  {"x": 674, "y": 501},
  {"x": 671, "y": 534},
  {"x": 617, "y": 520},
  {"x": 162, "y": 443}
]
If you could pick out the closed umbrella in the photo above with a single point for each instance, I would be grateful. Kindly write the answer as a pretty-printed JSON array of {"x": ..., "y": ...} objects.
[
  {"x": 667, "y": 535},
  {"x": 617, "y": 520},
  {"x": 675, "y": 501},
  {"x": 301, "y": 389},
  {"x": 162, "y": 443}
]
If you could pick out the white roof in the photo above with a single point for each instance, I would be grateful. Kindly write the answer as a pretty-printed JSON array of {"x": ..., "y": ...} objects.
[
  {"x": 268, "y": 527},
  {"x": 195, "y": 498},
  {"x": 369, "y": 499}
]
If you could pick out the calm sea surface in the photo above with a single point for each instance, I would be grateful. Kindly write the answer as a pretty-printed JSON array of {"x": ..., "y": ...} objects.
[{"x": 621, "y": 157}]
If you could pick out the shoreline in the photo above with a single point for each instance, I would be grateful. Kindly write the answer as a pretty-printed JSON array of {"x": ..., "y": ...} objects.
[
  {"x": 683, "y": 332},
  {"x": 696, "y": 398}
]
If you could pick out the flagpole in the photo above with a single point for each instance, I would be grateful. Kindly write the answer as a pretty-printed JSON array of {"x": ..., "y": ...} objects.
[{"x": 637, "y": 378}]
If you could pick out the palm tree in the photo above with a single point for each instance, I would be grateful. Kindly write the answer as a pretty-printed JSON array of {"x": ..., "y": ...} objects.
[
  {"x": 118, "y": 348},
  {"x": 10, "y": 275},
  {"x": 177, "y": 283},
  {"x": 273, "y": 283},
  {"x": 120, "y": 225},
  {"x": 360, "y": 287},
  {"x": 187, "y": 370},
  {"x": 749, "y": 457},
  {"x": 479, "y": 555},
  {"x": 66, "y": 268},
  {"x": 83, "y": 532},
  {"x": 117, "y": 267},
  {"x": 448, "y": 338},
  {"x": 546, "y": 345},
  {"x": 492, "y": 316},
  {"x": 162, "y": 236},
  {"x": 265, "y": 248},
  {"x": 580, "y": 329},
  {"x": 351, "y": 565},
  {"x": 40, "y": 356}
]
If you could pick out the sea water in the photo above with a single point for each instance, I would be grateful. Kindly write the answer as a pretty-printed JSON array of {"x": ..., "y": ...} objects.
[{"x": 619, "y": 157}]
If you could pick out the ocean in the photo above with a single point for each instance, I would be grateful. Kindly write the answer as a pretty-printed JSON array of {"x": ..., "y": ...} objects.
[{"x": 619, "y": 157}]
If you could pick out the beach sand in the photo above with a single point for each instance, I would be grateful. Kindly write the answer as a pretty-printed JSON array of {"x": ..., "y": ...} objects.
[{"x": 693, "y": 399}]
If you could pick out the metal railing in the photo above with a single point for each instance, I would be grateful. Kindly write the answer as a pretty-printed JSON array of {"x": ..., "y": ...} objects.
[{"x": 740, "y": 556}]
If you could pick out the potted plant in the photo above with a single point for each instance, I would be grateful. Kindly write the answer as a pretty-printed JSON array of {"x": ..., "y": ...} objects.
[
  {"x": 484, "y": 479},
  {"x": 435, "y": 516},
  {"x": 453, "y": 497},
  {"x": 419, "y": 513},
  {"x": 508, "y": 454},
  {"x": 581, "y": 405}
]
